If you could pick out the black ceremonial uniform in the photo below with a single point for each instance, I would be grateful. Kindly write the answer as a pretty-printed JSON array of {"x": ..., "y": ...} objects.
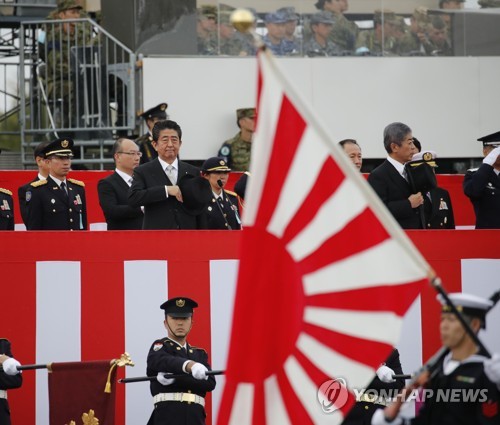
[
  {"x": 7, "y": 382},
  {"x": 482, "y": 186},
  {"x": 363, "y": 410},
  {"x": 438, "y": 210},
  {"x": 146, "y": 148},
  {"x": 21, "y": 195},
  {"x": 51, "y": 209},
  {"x": 222, "y": 212},
  {"x": 6, "y": 210},
  {"x": 481, "y": 409},
  {"x": 165, "y": 355}
]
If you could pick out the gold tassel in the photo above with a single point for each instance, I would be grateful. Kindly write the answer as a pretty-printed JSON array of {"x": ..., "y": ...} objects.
[{"x": 124, "y": 360}]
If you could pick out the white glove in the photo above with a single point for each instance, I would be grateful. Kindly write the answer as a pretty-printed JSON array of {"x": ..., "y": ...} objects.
[
  {"x": 378, "y": 418},
  {"x": 492, "y": 369},
  {"x": 199, "y": 371},
  {"x": 10, "y": 366},
  {"x": 385, "y": 373},
  {"x": 492, "y": 156},
  {"x": 162, "y": 378}
]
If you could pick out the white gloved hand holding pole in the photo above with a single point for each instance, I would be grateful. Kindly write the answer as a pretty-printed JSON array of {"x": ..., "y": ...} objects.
[
  {"x": 163, "y": 379},
  {"x": 199, "y": 371},
  {"x": 10, "y": 366},
  {"x": 385, "y": 374}
]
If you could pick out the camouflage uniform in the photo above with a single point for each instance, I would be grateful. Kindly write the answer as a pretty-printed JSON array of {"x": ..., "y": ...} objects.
[
  {"x": 344, "y": 33},
  {"x": 237, "y": 153},
  {"x": 277, "y": 49},
  {"x": 488, "y": 3},
  {"x": 314, "y": 49},
  {"x": 207, "y": 44}
]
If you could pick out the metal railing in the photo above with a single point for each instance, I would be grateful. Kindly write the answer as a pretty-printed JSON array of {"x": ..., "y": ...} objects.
[{"x": 76, "y": 80}]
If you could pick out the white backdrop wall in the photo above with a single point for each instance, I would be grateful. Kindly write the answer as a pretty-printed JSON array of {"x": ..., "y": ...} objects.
[{"x": 448, "y": 102}]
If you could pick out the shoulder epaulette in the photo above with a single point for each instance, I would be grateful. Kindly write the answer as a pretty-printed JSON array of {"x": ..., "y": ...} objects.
[
  {"x": 231, "y": 192},
  {"x": 78, "y": 182},
  {"x": 472, "y": 170},
  {"x": 38, "y": 183},
  {"x": 197, "y": 348},
  {"x": 247, "y": 173},
  {"x": 6, "y": 191}
]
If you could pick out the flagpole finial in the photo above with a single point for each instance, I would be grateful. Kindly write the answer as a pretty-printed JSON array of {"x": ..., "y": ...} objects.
[{"x": 244, "y": 21}]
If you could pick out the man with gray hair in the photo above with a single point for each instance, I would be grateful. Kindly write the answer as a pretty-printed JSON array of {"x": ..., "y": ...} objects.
[{"x": 390, "y": 181}]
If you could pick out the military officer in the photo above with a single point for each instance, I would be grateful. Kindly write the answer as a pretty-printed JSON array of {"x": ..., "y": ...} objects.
[
  {"x": 57, "y": 203},
  {"x": 319, "y": 44},
  {"x": 449, "y": 397},
  {"x": 237, "y": 151},
  {"x": 6, "y": 210},
  {"x": 151, "y": 116},
  {"x": 178, "y": 401},
  {"x": 10, "y": 378},
  {"x": 437, "y": 208},
  {"x": 482, "y": 185},
  {"x": 222, "y": 211}
]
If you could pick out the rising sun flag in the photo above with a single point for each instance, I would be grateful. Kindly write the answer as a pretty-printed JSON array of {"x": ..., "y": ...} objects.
[{"x": 326, "y": 275}]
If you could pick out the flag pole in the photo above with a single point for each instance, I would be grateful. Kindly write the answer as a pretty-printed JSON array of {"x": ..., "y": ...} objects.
[{"x": 169, "y": 376}]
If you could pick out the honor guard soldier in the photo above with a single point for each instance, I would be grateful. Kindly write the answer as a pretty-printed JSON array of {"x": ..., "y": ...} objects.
[
  {"x": 465, "y": 386},
  {"x": 222, "y": 211},
  {"x": 10, "y": 378},
  {"x": 482, "y": 185},
  {"x": 6, "y": 210},
  {"x": 57, "y": 203},
  {"x": 178, "y": 401},
  {"x": 237, "y": 151},
  {"x": 151, "y": 116}
]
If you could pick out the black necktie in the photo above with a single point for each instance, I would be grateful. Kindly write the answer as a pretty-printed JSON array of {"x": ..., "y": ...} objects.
[{"x": 63, "y": 188}]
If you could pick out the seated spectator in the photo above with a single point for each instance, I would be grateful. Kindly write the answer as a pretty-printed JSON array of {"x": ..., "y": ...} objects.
[
  {"x": 380, "y": 40},
  {"x": 319, "y": 44},
  {"x": 292, "y": 42},
  {"x": 275, "y": 37}
]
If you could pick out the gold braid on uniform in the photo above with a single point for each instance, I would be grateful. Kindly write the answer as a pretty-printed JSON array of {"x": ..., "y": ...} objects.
[
  {"x": 38, "y": 183},
  {"x": 6, "y": 191},
  {"x": 78, "y": 182}
]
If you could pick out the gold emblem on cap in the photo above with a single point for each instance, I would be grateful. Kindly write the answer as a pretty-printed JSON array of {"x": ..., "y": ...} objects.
[
  {"x": 64, "y": 143},
  {"x": 180, "y": 303},
  {"x": 163, "y": 107},
  {"x": 427, "y": 156},
  {"x": 222, "y": 163}
]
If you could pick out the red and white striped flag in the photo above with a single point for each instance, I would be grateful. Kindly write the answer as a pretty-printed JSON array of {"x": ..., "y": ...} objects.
[{"x": 326, "y": 275}]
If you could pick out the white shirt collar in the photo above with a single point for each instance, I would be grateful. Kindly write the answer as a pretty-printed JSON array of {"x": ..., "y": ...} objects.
[
  {"x": 40, "y": 177},
  {"x": 397, "y": 165},
  {"x": 164, "y": 164},
  {"x": 126, "y": 177},
  {"x": 58, "y": 182},
  {"x": 182, "y": 346}
]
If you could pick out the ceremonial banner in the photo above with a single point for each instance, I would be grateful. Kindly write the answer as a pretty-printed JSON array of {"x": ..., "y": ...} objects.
[
  {"x": 82, "y": 388},
  {"x": 326, "y": 275}
]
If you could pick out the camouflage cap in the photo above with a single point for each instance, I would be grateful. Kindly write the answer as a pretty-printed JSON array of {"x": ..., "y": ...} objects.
[
  {"x": 385, "y": 15},
  {"x": 63, "y": 5},
  {"x": 245, "y": 113},
  {"x": 489, "y": 3},
  {"x": 275, "y": 18},
  {"x": 323, "y": 17},
  {"x": 289, "y": 13},
  {"x": 420, "y": 14},
  {"x": 225, "y": 17},
  {"x": 207, "y": 11}
]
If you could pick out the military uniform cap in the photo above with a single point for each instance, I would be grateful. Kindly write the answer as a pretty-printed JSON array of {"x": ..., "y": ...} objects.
[
  {"x": 424, "y": 157},
  {"x": 60, "y": 147},
  {"x": 225, "y": 17},
  {"x": 207, "y": 11},
  {"x": 38, "y": 151},
  {"x": 196, "y": 193},
  {"x": 158, "y": 111},
  {"x": 275, "y": 18},
  {"x": 489, "y": 3},
  {"x": 385, "y": 14},
  {"x": 179, "y": 307},
  {"x": 63, "y": 5},
  {"x": 491, "y": 139},
  {"x": 215, "y": 165},
  {"x": 323, "y": 17},
  {"x": 245, "y": 113},
  {"x": 468, "y": 304},
  {"x": 420, "y": 14},
  {"x": 289, "y": 13}
]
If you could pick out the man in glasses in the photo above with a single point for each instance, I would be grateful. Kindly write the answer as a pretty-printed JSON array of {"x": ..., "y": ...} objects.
[{"x": 113, "y": 190}]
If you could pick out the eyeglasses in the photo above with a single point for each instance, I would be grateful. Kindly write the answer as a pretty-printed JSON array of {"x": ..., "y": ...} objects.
[{"x": 139, "y": 154}]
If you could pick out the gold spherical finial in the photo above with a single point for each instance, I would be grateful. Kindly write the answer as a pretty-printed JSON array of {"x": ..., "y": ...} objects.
[{"x": 242, "y": 20}]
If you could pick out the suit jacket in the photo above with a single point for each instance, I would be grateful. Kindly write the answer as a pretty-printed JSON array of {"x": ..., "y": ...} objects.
[
  {"x": 394, "y": 191},
  {"x": 167, "y": 356},
  {"x": 21, "y": 194},
  {"x": 482, "y": 186},
  {"x": 438, "y": 210},
  {"x": 49, "y": 208},
  {"x": 160, "y": 212},
  {"x": 113, "y": 198}
]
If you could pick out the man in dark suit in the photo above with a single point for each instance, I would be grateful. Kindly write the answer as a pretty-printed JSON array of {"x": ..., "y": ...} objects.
[
  {"x": 389, "y": 179},
  {"x": 10, "y": 378},
  {"x": 113, "y": 190},
  {"x": 57, "y": 203},
  {"x": 43, "y": 172},
  {"x": 155, "y": 185},
  {"x": 482, "y": 185},
  {"x": 179, "y": 401}
]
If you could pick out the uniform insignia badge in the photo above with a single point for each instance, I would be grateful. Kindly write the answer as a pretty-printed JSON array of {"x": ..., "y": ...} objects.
[
  {"x": 225, "y": 150},
  {"x": 178, "y": 348},
  {"x": 180, "y": 302},
  {"x": 64, "y": 144},
  {"x": 209, "y": 208},
  {"x": 157, "y": 346},
  {"x": 427, "y": 156},
  {"x": 468, "y": 379},
  {"x": 489, "y": 408},
  {"x": 2, "y": 207},
  {"x": 191, "y": 351},
  {"x": 75, "y": 202},
  {"x": 443, "y": 205},
  {"x": 28, "y": 196},
  {"x": 53, "y": 200},
  {"x": 6, "y": 206},
  {"x": 78, "y": 200},
  {"x": 221, "y": 162}
]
